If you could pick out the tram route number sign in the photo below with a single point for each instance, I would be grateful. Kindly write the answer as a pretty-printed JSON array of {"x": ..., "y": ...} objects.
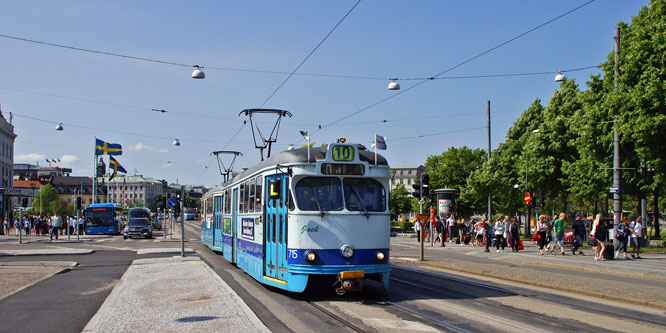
[
  {"x": 422, "y": 218},
  {"x": 171, "y": 202},
  {"x": 343, "y": 153}
]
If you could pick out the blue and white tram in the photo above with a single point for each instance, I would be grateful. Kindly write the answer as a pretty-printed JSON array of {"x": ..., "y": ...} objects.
[{"x": 292, "y": 217}]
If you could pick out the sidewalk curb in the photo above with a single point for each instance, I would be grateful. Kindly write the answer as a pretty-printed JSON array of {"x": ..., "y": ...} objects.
[
  {"x": 34, "y": 253},
  {"x": 536, "y": 284},
  {"x": 63, "y": 270}
]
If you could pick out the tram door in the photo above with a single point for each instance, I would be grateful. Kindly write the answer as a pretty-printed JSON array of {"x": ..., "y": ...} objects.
[{"x": 275, "y": 234}]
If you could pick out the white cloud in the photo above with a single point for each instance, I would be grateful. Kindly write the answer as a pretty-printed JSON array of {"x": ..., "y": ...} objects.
[
  {"x": 68, "y": 161},
  {"x": 144, "y": 147},
  {"x": 30, "y": 158},
  {"x": 167, "y": 165}
]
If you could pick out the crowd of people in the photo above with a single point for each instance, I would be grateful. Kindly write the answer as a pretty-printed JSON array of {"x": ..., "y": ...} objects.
[
  {"x": 44, "y": 225},
  {"x": 549, "y": 234}
]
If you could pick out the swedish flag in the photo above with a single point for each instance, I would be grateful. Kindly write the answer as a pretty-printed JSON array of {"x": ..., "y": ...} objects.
[
  {"x": 115, "y": 166},
  {"x": 105, "y": 148}
]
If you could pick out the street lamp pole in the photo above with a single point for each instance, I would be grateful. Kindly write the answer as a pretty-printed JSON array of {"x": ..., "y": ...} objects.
[{"x": 528, "y": 207}]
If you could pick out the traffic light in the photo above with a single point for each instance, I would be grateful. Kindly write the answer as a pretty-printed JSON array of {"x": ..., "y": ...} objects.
[
  {"x": 417, "y": 190},
  {"x": 78, "y": 203},
  {"x": 24, "y": 202},
  {"x": 425, "y": 180}
]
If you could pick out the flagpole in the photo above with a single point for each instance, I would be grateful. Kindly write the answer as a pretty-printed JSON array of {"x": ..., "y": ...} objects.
[
  {"x": 94, "y": 193},
  {"x": 308, "y": 147}
]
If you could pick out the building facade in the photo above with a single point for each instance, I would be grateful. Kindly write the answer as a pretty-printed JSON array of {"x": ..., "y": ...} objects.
[
  {"x": 405, "y": 175},
  {"x": 7, "y": 138},
  {"x": 135, "y": 189}
]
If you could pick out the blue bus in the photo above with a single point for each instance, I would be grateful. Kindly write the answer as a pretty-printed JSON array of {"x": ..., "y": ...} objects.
[{"x": 103, "y": 219}]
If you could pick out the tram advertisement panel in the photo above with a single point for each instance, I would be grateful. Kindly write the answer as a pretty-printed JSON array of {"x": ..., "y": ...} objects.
[
  {"x": 444, "y": 207},
  {"x": 248, "y": 228},
  {"x": 227, "y": 226}
]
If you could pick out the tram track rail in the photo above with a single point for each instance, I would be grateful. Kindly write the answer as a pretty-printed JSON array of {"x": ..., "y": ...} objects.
[{"x": 576, "y": 306}]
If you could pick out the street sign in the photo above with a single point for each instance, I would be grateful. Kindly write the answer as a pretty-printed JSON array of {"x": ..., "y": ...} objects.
[
  {"x": 614, "y": 190},
  {"x": 422, "y": 218},
  {"x": 171, "y": 202},
  {"x": 528, "y": 198}
]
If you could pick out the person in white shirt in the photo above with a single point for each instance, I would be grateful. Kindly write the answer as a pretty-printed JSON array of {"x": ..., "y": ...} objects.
[
  {"x": 637, "y": 238},
  {"x": 81, "y": 220},
  {"x": 451, "y": 225},
  {"x": 500, "y": 233},
  {"x": 417, "y": 229}
]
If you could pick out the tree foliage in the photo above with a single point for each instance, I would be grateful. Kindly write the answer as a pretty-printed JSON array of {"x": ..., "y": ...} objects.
[
  {"x": 47, "y": 198},
  {"x": 400, "y": 202}
]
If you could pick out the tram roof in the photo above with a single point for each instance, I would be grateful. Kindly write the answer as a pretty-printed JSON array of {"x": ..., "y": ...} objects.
[{"x": 300, "y": 155}]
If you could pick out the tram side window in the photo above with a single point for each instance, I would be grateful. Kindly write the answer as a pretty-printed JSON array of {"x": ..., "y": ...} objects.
[
  {"x": 227, "y": 202},
  {"x": 257, "y": 200},
  {"x": 313, "y": 193},
  {"x": 364, "y": 192},
  {"x": 241, "y": 197},
  {"x": 250, "y": 206},
  {"x": 246, "y": 198}
]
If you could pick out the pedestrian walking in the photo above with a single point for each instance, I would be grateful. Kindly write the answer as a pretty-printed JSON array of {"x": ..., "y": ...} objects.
[
  {"x": 478, "y": 233},
  {"x": 636, "y": 238},
  {"x": 487, "y": 233},
  {"x": 600, "y": 232},
  {"x": 514, "y": 232},
  {"x": 558, "y": 227},
  {"x": 500, "y": 234},
  {"x": 417, "y": 229},
  {"x": 451, "y": 225},
  {"x": 439, "y": 227},
  {"x": 579, "y": 231},
  {"x": 542, "y": 232},
  {"x": 623, "y": 233},
  {"x": 56, "y": 225}
]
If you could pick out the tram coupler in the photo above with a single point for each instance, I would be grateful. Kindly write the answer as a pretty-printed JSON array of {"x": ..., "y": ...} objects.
[{"x": 349, "y": 281}]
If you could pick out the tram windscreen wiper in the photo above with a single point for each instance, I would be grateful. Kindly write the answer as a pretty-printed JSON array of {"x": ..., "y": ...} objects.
[
  {"x": 314, "y": 194},
  {"x": 365, "y": 210}
]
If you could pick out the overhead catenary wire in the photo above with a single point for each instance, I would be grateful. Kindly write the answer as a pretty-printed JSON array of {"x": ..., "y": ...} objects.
[
  {"x": 309, "y": 55},
  {"x": 455, "y": 66},
  {"x": 114, "y": 131}
]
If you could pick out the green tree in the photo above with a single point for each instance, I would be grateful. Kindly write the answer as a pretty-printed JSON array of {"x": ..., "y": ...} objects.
[
  {"x": 400, "y": 202},
  {"x": 452, "y": 168},
  {"x": 47, "y": 198}
]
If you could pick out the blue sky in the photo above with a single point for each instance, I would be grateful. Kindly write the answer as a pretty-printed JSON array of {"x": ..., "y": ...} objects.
[{"x": 384, "y": 39}]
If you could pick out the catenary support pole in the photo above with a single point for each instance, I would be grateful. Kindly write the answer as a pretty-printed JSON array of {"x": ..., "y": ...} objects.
[
  {"x": 490, "y": 199},
  {"x": 182, "y": 222},
  {"x": 617, "y": 165}
]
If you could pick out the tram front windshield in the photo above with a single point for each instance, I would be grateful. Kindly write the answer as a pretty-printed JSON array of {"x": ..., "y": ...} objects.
[
  {"x": 326, "y": 194},
  {"x": 319, "y": 194},
  {"x": 364, "y": 194},
  {"x": 99, "y": 217}
]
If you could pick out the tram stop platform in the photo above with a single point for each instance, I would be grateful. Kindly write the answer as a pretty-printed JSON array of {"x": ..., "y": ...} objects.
[{"x": 173, "y": 294}]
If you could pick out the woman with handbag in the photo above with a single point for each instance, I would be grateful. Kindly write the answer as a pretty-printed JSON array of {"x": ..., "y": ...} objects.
[
  {"x": 542, "y": 231},
  {"x": 599, "y": 233}
]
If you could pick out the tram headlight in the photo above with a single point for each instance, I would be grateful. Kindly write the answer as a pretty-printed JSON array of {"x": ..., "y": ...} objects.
[
  {"x": 310, "y": 256},
  {"x": 380, "y": 256},
  {"x": 347, "y": 251}
]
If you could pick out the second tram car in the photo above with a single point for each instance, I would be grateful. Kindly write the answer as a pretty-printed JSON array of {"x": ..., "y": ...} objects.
[{"x": 299, "y": 214}]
